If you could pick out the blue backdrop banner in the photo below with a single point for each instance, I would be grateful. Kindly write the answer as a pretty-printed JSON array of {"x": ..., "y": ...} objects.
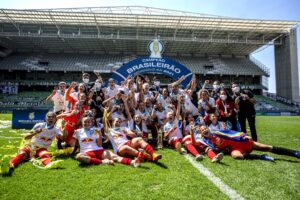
[
  {"x": 144, "y": 65},
  {"x": 27, "y": 118}
]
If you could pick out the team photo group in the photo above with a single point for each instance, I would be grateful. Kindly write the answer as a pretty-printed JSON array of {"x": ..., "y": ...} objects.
[{"x": 138, "y": 116}]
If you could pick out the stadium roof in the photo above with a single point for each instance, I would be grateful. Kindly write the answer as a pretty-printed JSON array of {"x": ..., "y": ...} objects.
[{"x": 129, "y": 29}]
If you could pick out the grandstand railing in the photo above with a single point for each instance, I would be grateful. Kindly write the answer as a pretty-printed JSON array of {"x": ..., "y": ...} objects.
[
  {"x": 260, "y": 65},
  {"x": 283, "y": 100}
]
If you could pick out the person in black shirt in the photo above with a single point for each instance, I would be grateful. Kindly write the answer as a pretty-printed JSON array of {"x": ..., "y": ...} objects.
[{"x": 244, "y": 103}]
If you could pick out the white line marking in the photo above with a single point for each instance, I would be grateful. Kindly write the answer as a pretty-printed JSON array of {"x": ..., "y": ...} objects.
[{"x": 231, "y": 193}]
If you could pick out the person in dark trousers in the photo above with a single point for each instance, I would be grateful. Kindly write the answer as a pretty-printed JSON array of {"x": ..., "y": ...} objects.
[
  {"x": 241, "y": 147},
  {"x": 244, "y": 104}
]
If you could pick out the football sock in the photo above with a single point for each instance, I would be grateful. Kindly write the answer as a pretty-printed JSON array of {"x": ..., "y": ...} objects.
[
  {"x": 17, "y": 160},
  {"x": 95, "y": 161},
  {"x": 284, "y": 151},
  {"x": 210, "y": 153},
  {"x": 126, "y": 161},
  {"x": 191, "y": 149},
  {"x": 149, "y": 149}
]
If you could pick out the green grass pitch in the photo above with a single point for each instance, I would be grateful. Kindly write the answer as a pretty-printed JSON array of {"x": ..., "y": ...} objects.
[{"x": 173, "y": 178}]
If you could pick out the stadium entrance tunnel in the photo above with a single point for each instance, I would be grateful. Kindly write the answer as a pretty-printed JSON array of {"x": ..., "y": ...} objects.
[{"x": 147, "y": 65}]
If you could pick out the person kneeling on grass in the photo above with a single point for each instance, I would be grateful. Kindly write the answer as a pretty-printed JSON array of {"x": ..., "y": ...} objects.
[
  {"x": 240, "y": 145},
  {"x": 172, "y": 131},
  {"x": 36, "y": 145},
  {"x": 89, "y": 140},
  {"x": 123, "y": 146},
  {"x": 194, "y": 144}
]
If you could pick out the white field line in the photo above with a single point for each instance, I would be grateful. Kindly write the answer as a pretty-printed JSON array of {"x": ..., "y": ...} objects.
[
  {"x": 5, "y": 124},
  {"x": 231, "y": 193}
]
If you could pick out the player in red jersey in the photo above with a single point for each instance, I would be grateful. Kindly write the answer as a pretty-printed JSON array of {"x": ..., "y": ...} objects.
[
  {"x": 72, "y": 121},
  {"x": 194, "y": 144},
  {"x": 241, "y": 149}
]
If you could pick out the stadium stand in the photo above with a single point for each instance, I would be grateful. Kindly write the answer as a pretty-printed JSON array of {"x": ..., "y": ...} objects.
[
  {"x": 265, "y": 103},
  {"x": 51, "y": 45},
  {"x": 106, "y": 63}
]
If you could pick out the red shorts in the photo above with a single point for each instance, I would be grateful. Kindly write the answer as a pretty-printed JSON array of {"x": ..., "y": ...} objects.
[
  {"x": 187, "y": 139},
  {"x": 243, "y": 147},
  {"x": 28, "y": 152},
  {"x": 198, "y": 145},
  {"x": 95, "y": 154},
  {"x": 174, "y": 141},
  {"x": 70, "y": 131},
  {"x": 128, "y": 143}
]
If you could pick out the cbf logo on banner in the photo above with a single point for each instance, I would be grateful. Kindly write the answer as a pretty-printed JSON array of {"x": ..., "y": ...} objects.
[
  {"x": 153, "y": 64},
  {"x": 27, "y": 118}
]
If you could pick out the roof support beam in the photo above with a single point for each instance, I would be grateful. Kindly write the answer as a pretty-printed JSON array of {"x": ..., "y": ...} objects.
[
  {"x": 12, "y": 21},
  {"x": 54, "y": 22},
  {"x": 177, "y": 27},
  {"x": 210, "y": 39},
  {"x": 40, "y": 31},
  {"x": 97, "y": 25}
]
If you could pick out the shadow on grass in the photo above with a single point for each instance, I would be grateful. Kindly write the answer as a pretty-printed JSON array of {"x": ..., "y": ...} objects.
[
  {"x": 143, "y": 167},
  {"x": 223, "y": 164},
  {"x": 9, "y": 174},
  {"x": 66, "y": 156},
  {"x": 286, "y": 160},
  {"x": 84, "y": 165},
  {"x": 161, "y": 165}
]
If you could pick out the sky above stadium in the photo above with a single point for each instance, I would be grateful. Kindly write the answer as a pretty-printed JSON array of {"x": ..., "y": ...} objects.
[{"x": 249, "y": 9}]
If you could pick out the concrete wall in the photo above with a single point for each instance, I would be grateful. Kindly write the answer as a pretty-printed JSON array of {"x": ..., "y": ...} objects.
[{"x": 286, "y": 67}]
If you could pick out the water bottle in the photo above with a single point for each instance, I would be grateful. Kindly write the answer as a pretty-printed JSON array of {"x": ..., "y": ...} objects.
[
  {"x": 160, "y": 140},
  {"x": 149, "y": 136}
]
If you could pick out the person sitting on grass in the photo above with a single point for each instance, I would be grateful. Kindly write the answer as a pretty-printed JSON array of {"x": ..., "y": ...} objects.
[
  {"x": 216, "y": 124},
  {"x": 241, "y": 145},
  {"x": 36, "y": 145},
  {"x": 172, "y": 131},
  {"x": 194, "y": 144},
  {"x": 89, "y": 140},
  {"x": 138, "y": 126},
  {"x": 125, "y": 143}
]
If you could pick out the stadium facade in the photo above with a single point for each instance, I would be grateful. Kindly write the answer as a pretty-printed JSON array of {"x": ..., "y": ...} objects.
[{"x": 49, "y": 45}]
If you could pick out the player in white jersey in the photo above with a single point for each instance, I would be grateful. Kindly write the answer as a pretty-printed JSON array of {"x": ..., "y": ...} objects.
[
  {"x": 164, "y": 98},
  {"x": 138, "y": 126},
  {"x": 89, "y": 140},
  {"x": 112, "y": 89},
  {"x": 172, "y": 131},
  {"x": 58, "y": 98},
  {"x": 36, "y": 145},
  {"x": 123, "y": 146}
]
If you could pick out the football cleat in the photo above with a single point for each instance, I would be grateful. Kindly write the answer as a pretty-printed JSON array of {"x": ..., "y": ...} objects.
[
  {"x": 5, "y": 165},
  {"x": 199, "y": 157},
  {"x": 266, "y": 157},
  {"x": 218, "y": 158},
  {"x": 54, "y": 164},
  {"x": 156, "y": 157}
]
